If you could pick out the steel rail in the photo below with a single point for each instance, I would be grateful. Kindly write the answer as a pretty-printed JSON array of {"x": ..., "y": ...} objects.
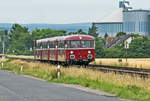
[{"x": 145, "y": 73}]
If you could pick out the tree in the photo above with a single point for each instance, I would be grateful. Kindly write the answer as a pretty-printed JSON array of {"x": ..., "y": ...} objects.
[
  {"x": 21, "y": 40},
  {"x": 80, "y": 31},
  {"x": 99, "y": 47},
  {"x": 106, "y": 35},
  {"x": 93, "y": 31},
  {"x": 72, "y": 33},
  {"x": 113, "y": 53},
  {"x": 139, "y": 47},
  {"x": 120, "y": 34},
  {"x": 46, "y": 33}
]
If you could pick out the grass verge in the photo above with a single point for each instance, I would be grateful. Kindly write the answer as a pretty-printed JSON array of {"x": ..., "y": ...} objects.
[{"x": 123, "y": 86}]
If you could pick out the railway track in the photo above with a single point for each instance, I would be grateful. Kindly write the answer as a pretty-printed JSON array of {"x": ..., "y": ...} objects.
[{"x": 144, "y": 73}]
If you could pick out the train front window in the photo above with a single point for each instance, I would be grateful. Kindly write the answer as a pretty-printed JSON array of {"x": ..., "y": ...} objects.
[
  {"x": 75, "y": 44},
  {"x": 87, "y": 43}
]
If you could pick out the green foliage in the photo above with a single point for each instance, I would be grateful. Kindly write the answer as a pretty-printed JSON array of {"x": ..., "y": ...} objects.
[
  {"x": 99, "y": 44},
  {"x": 113, "y": 53},
  {"x": 93, "y": 31},
  {"x": 120, "y": 34},
  {"x": 45, "y": 33},
  {"x": 1, "y": 39},
  {"x": 106, "y": 35},
  {"x": 78, "y": 32},
  {"x": 4, "y": 38},
  {"x": 21, "y": 40},
  {"x": 139, "y": 48}
]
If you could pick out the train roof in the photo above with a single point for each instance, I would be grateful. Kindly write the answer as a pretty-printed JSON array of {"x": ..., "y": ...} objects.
[{"x": 69, "y": 37}]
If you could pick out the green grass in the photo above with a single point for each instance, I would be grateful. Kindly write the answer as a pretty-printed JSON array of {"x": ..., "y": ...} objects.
[{"x": 127, "y": 92}]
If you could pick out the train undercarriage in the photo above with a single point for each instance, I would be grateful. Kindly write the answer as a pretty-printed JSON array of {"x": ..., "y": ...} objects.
[{"x": 68, "y": 63}]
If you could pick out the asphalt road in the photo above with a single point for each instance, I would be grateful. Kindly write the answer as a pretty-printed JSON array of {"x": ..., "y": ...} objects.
[{"x": 20, "y": 88}]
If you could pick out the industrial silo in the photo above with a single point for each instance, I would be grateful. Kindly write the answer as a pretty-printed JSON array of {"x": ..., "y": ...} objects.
[{"x": 136, "y": 21}]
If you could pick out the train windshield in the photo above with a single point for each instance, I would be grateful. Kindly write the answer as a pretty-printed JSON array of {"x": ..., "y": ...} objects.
[
  {"x": 87, "y": 43},
  {"x": 81, "y": 44},
  {"x": 75, "y": 44}
]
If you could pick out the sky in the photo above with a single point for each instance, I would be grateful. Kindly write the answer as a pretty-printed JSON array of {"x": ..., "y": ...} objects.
[{"x": 60, "y": 11}]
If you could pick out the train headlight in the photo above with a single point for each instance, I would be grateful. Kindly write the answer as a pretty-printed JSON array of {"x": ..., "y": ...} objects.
[
  {"x": 89, "y": 52},
  {"x": 90, "y": 56},
  {"x": 72, "y": 56},
  {"x": 71, "y": 52}
]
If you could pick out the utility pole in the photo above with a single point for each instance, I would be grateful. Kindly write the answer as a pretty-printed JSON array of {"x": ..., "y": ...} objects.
[
  {"x": 34, "y": 47},
  {"x": 126, "y": 48},
  {"x": 126, "y": 54},
  {"x": 3, "y": 48},
  {"x": 3, "y": 57}
]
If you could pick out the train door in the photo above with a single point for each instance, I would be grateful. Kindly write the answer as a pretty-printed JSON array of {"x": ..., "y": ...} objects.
[
  {"x": 41, "y": 54},
  {"x": 56, "y": 50},
  {"x": 61, "y": 50},
  {"x": 41, "y": 46},
  {"x": 48, "y": 50}
]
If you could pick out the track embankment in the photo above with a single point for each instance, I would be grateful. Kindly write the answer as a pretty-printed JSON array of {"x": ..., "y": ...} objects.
[{"x": 144, "y": 73}]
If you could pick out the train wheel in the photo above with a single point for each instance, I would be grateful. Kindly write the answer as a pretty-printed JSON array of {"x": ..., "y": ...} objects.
[{"x": 86, "y": 64}]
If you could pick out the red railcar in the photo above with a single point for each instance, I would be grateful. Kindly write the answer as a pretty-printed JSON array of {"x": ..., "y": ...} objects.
[{"x": 72, "y": 49}]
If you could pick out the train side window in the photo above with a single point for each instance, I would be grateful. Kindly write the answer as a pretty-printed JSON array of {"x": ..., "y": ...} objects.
[
  {"x": 67, "y": 45},
  {"x": 43, "y": 44},
  {"x": 47, "y": 44},
  {"x": 61, "y": 44},
  {"x": 40, "y": 45},
  {"x": 37, "y": 45},
  {"x": 51, "y": 44}
]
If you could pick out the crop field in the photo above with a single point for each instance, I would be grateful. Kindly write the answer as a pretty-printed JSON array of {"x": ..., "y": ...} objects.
[
  {"x": 131, "y": 62},
  {"x": 135, "y": 63},
  {"x": 124, "y": 86},
  {"x": 20, "y": 56}
]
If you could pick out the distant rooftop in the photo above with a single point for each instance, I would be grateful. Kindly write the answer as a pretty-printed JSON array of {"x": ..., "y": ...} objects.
[
  {"x": 138, "y": 10},
  {"x": 115, "y": 16}
]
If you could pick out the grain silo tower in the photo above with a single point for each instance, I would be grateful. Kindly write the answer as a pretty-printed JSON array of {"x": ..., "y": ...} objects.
[
  {"x": 137, "y": 21},
  {"x": 125, "y": 19}
]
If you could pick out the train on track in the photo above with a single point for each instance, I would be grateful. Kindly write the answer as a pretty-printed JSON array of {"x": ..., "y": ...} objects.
[{"x": 67, "y": 50}]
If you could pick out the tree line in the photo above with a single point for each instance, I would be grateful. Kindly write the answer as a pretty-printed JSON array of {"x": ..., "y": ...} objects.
[{"x": 19, "y": 41}]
